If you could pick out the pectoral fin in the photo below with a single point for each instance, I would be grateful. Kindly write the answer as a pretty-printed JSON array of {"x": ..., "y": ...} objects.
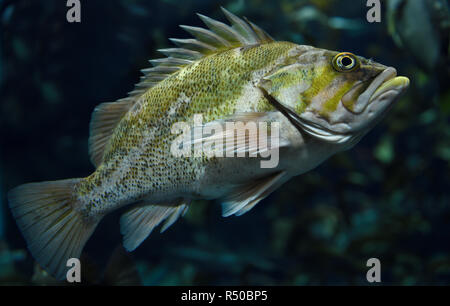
[
  {"x": 105, "y": 118},
  {"x": 242, "y": 135},
  {"x": 246, "y": 196},
  {"x": 139, "y": 222}
]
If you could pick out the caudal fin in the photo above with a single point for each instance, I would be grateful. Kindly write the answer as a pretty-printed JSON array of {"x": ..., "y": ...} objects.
[{"x": 53, "y": 229}]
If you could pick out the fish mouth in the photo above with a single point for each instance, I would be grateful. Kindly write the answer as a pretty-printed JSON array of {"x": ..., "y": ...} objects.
[
  {"x": 399, "y": 83},
  {"x": 365, "y": 97},
  {"x": 380, "y": 96},
  {"x": 386, "y": 81}
]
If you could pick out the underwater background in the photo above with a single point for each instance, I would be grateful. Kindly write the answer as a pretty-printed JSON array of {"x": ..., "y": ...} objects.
[{"x": 386, "y": 198}]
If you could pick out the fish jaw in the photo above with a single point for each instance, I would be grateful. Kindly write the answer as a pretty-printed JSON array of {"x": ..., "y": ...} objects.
[
  {"x": 389, "y": 88},
  {"x": 399, "y": 83}
]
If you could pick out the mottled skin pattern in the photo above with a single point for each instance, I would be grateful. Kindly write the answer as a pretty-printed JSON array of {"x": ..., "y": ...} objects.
[{"x": 138, "y": 163}]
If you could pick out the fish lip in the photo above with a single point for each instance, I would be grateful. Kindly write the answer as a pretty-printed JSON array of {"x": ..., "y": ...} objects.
[
  {"x": 381, "y": 100},
  {"x": 399, "y": 83},
  {"x": 368, "y": 95}
]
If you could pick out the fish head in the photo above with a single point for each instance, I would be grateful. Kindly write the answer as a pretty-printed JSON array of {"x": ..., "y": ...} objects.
[{"x": 334, "y": 96}]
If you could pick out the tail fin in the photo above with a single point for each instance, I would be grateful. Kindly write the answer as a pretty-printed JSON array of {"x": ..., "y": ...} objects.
[{"x": 53, "y": 230}]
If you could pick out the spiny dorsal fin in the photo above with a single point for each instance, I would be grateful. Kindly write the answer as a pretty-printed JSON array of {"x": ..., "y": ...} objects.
[
  {"x": 104, "y": 119},
  {"x": 217, "y": 38}
]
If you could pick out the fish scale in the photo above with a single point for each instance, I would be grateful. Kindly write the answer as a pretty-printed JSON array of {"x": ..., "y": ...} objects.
[{"x": 147, "y": 130}]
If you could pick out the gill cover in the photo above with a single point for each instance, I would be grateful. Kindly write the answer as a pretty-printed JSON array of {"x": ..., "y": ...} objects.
[{"x": 293, "y": 89}]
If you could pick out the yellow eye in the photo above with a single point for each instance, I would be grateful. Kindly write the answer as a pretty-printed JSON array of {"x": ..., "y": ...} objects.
[{"x": 345, "y": 62}]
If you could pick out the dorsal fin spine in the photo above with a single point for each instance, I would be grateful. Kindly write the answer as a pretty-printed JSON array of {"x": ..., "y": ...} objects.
[
  {"x": 172, "y": 61},
  {"x": 181, "y": 53},
  {"x": 193, "y": 44},
  {"x": 223, "y": 30},
  {"x": 207, "y": 36},
  {"x": 241, "y": 26}
]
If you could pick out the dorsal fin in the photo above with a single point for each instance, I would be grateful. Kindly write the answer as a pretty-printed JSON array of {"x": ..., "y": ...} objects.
[
  {"x": 217, "y": 38},
  {"x": 105, "y": 118}
]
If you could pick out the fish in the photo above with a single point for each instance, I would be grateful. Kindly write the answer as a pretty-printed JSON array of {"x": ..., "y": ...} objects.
[
  {"x": 309, "y": 102},
  {"x": 414, "y": 24}
]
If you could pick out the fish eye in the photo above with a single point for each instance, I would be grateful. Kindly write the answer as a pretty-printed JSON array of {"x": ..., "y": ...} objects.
[{"x": 345, "y": 62}]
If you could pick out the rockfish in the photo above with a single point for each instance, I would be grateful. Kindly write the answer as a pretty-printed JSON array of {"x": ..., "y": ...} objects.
[{"x": 314, "y": 102}]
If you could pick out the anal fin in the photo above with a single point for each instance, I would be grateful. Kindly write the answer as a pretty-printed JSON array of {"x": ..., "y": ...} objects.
[
  {"x": 246, "y": 196},
  {"x": 137, "y": 224}
]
